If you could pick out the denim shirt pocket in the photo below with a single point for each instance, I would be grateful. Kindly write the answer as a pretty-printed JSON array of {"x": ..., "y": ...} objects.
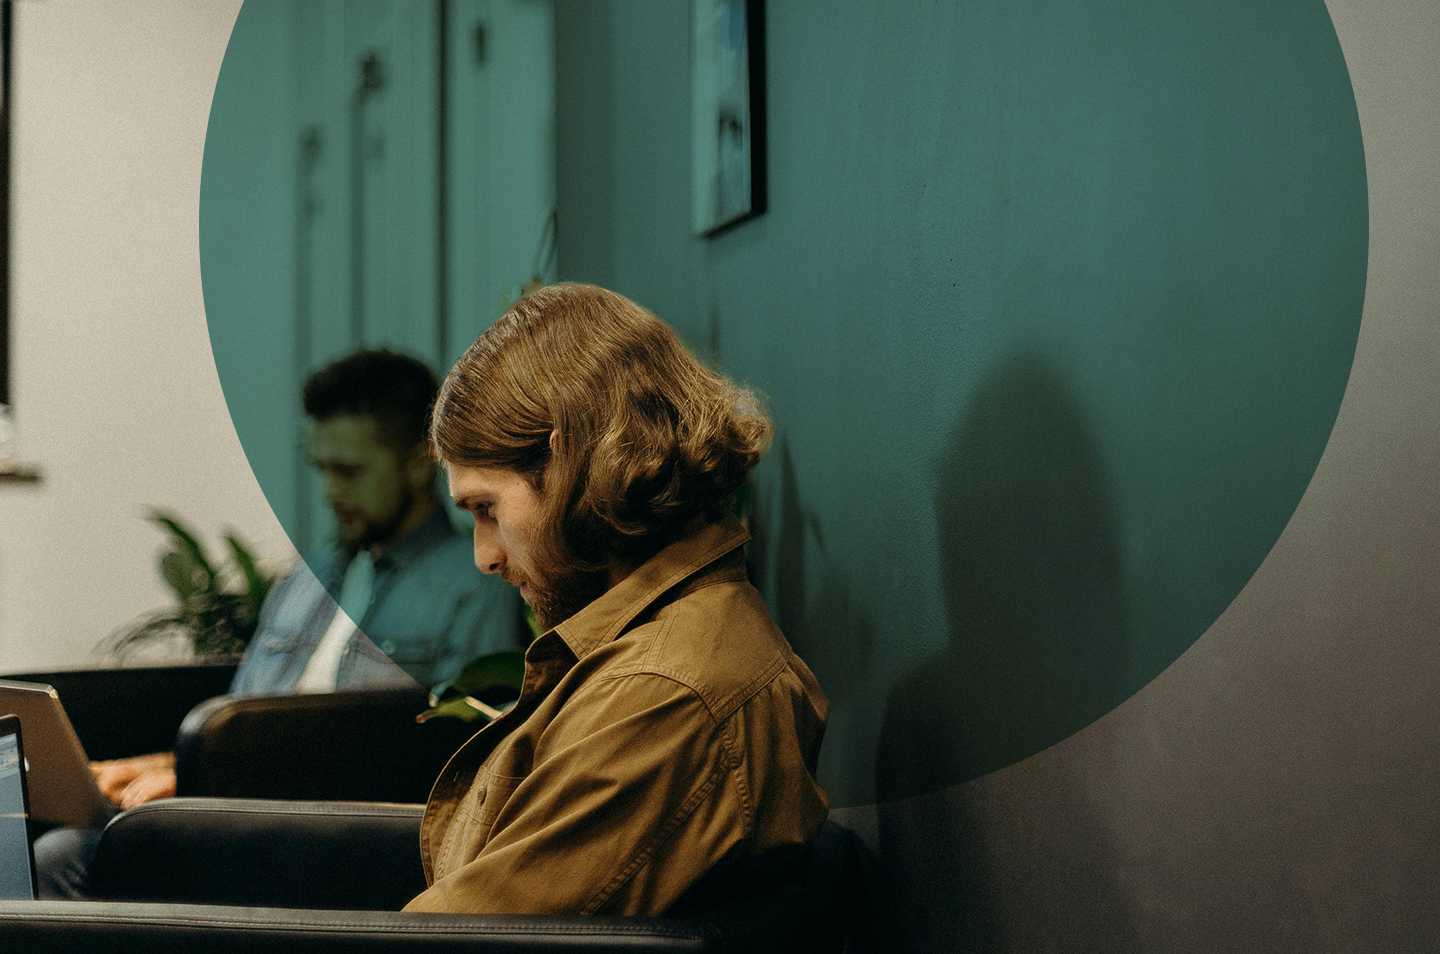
[
  {"x": 416, "y": 655},
  {"x": 268, "y": 662},
  {"x": 367, "y": 666},
  {"x": 409, "y": 652}
]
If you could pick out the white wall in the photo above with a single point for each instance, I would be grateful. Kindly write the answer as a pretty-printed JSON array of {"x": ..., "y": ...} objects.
[{"x": 114, "y": 386}]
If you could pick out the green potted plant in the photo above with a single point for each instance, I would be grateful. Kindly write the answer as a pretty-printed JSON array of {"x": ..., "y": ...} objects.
[{"x": 216, "y": 606}]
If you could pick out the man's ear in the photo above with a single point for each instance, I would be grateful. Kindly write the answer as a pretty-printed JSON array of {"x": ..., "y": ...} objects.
[
  {"x": 554, "y": 440},
  {"x": 419, "y": 467}
]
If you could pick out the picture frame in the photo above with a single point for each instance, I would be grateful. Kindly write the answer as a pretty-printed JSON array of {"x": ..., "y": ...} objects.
[{"x": 727, "y": 114}]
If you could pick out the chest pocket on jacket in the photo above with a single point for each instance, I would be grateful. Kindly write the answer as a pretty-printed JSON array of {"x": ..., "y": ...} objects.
[
  {"x": 495, "y": 798},
  {"x": 474, "y": 823}
]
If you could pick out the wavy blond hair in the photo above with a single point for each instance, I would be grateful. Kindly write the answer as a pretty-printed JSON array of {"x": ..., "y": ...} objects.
[{"x": 646, "y": 439}]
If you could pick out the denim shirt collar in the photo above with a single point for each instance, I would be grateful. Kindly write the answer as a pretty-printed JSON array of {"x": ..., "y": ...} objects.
[{"x": 434, "y": 530}]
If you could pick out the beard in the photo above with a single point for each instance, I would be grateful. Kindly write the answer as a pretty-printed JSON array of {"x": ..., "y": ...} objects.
[
  {"x": 370, "y": 531},
  {"x": 557, "y": 598}
]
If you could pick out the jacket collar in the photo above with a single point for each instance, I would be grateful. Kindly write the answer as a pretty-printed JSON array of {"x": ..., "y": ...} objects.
[{"x": 606, "y": 618}]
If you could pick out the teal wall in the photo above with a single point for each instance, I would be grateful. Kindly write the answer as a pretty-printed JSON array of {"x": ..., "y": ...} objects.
[{"x": 1054, "y": 305}]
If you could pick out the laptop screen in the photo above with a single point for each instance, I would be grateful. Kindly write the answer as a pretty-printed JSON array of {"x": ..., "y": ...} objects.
[{"x": 17, "y": 877}]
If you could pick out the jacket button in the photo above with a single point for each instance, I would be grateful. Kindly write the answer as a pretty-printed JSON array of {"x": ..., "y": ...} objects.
[{"x": 387, "y": 647}]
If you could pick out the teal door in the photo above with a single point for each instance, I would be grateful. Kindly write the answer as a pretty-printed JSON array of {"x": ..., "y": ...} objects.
[{"x": 378, "y": 173}]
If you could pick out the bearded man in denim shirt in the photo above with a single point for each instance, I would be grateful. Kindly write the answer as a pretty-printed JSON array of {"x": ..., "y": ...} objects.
[
  {"x": 401, "y": 572},
  {"x": 396, "y": 602}
]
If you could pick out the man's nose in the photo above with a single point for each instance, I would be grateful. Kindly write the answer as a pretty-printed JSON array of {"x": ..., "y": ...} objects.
[{"x": 489, "y": 558}]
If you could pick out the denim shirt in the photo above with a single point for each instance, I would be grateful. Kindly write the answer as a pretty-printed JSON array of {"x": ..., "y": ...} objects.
[{"x": 430, "y": 613}]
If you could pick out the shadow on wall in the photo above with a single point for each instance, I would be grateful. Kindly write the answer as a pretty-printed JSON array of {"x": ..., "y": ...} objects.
[
  {"x": 832, "y": 631},
  {"x": 1038, "y": 633}
]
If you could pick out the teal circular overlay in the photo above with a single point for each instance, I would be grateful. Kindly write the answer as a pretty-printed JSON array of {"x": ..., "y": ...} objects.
[{"x": 1054, "y": 302}]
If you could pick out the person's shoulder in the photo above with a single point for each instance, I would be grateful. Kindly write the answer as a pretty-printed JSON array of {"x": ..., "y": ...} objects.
[{"x": 718, "y": 639}]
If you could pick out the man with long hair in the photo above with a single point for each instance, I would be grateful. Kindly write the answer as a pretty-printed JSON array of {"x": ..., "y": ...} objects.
[
  {"x": 394, "y": 602},
  {"x": 665, "y": 728}
]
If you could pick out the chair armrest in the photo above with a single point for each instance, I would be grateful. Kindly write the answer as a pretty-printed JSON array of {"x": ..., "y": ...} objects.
[
  {"x": 154, "y": 699},
  {"x": 362, "y": 856},
  {"x": 362, "y": 746},
  {"x": 62, "y": 927}
]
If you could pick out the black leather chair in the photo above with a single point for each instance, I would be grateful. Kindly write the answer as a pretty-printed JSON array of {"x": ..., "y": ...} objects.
[
  {"x": 363, "y": 746},
  {"x": 259, "y": 746},
  {"x": 262, "y": 853},
  {"x": 204, "y": 875},
  {"x": 67, "y": 927},
  {"x": 154, "y": 699}
]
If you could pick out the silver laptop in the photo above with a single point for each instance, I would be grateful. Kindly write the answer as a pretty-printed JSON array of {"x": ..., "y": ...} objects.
[
  {"x": 62, "y": 789},
  {"x": 17, "y": 858}
]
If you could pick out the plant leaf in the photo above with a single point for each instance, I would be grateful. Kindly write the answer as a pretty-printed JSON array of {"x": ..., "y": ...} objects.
[
  {"x": 149, "y": 627},
  {"x": 215, "y": 620},
  {"x": 255, "y": 581},
  {"x": 178, "y": 571},
  {"x": 186, "y": 541},
  {"x": 466, "y": 709},
  {"x": 486, "y": 672},
  {"x": 456, "y": 708}
]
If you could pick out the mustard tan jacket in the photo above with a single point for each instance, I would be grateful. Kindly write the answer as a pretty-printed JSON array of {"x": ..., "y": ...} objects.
[{"x": 663, "y": 729}]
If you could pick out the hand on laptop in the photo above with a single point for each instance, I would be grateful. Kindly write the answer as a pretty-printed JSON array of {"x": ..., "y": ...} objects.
[
  {"x": 156, "y": 783},
  {"x": 136, "y": 780}
]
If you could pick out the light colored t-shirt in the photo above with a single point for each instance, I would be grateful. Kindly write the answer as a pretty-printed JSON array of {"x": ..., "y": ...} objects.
[{"x": 356, "y": 591}]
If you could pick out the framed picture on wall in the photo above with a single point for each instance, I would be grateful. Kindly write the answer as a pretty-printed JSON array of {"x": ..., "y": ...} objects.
[{"x": 727, "y": 113}]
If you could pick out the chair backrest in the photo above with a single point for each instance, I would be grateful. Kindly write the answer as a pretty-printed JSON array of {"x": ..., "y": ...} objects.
[
  {"x": 336, "y": 855},
  {"x": 802, "y": 901},
  {"x": 154, "y": 700},
  {"x": 355, "y": 746}
]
